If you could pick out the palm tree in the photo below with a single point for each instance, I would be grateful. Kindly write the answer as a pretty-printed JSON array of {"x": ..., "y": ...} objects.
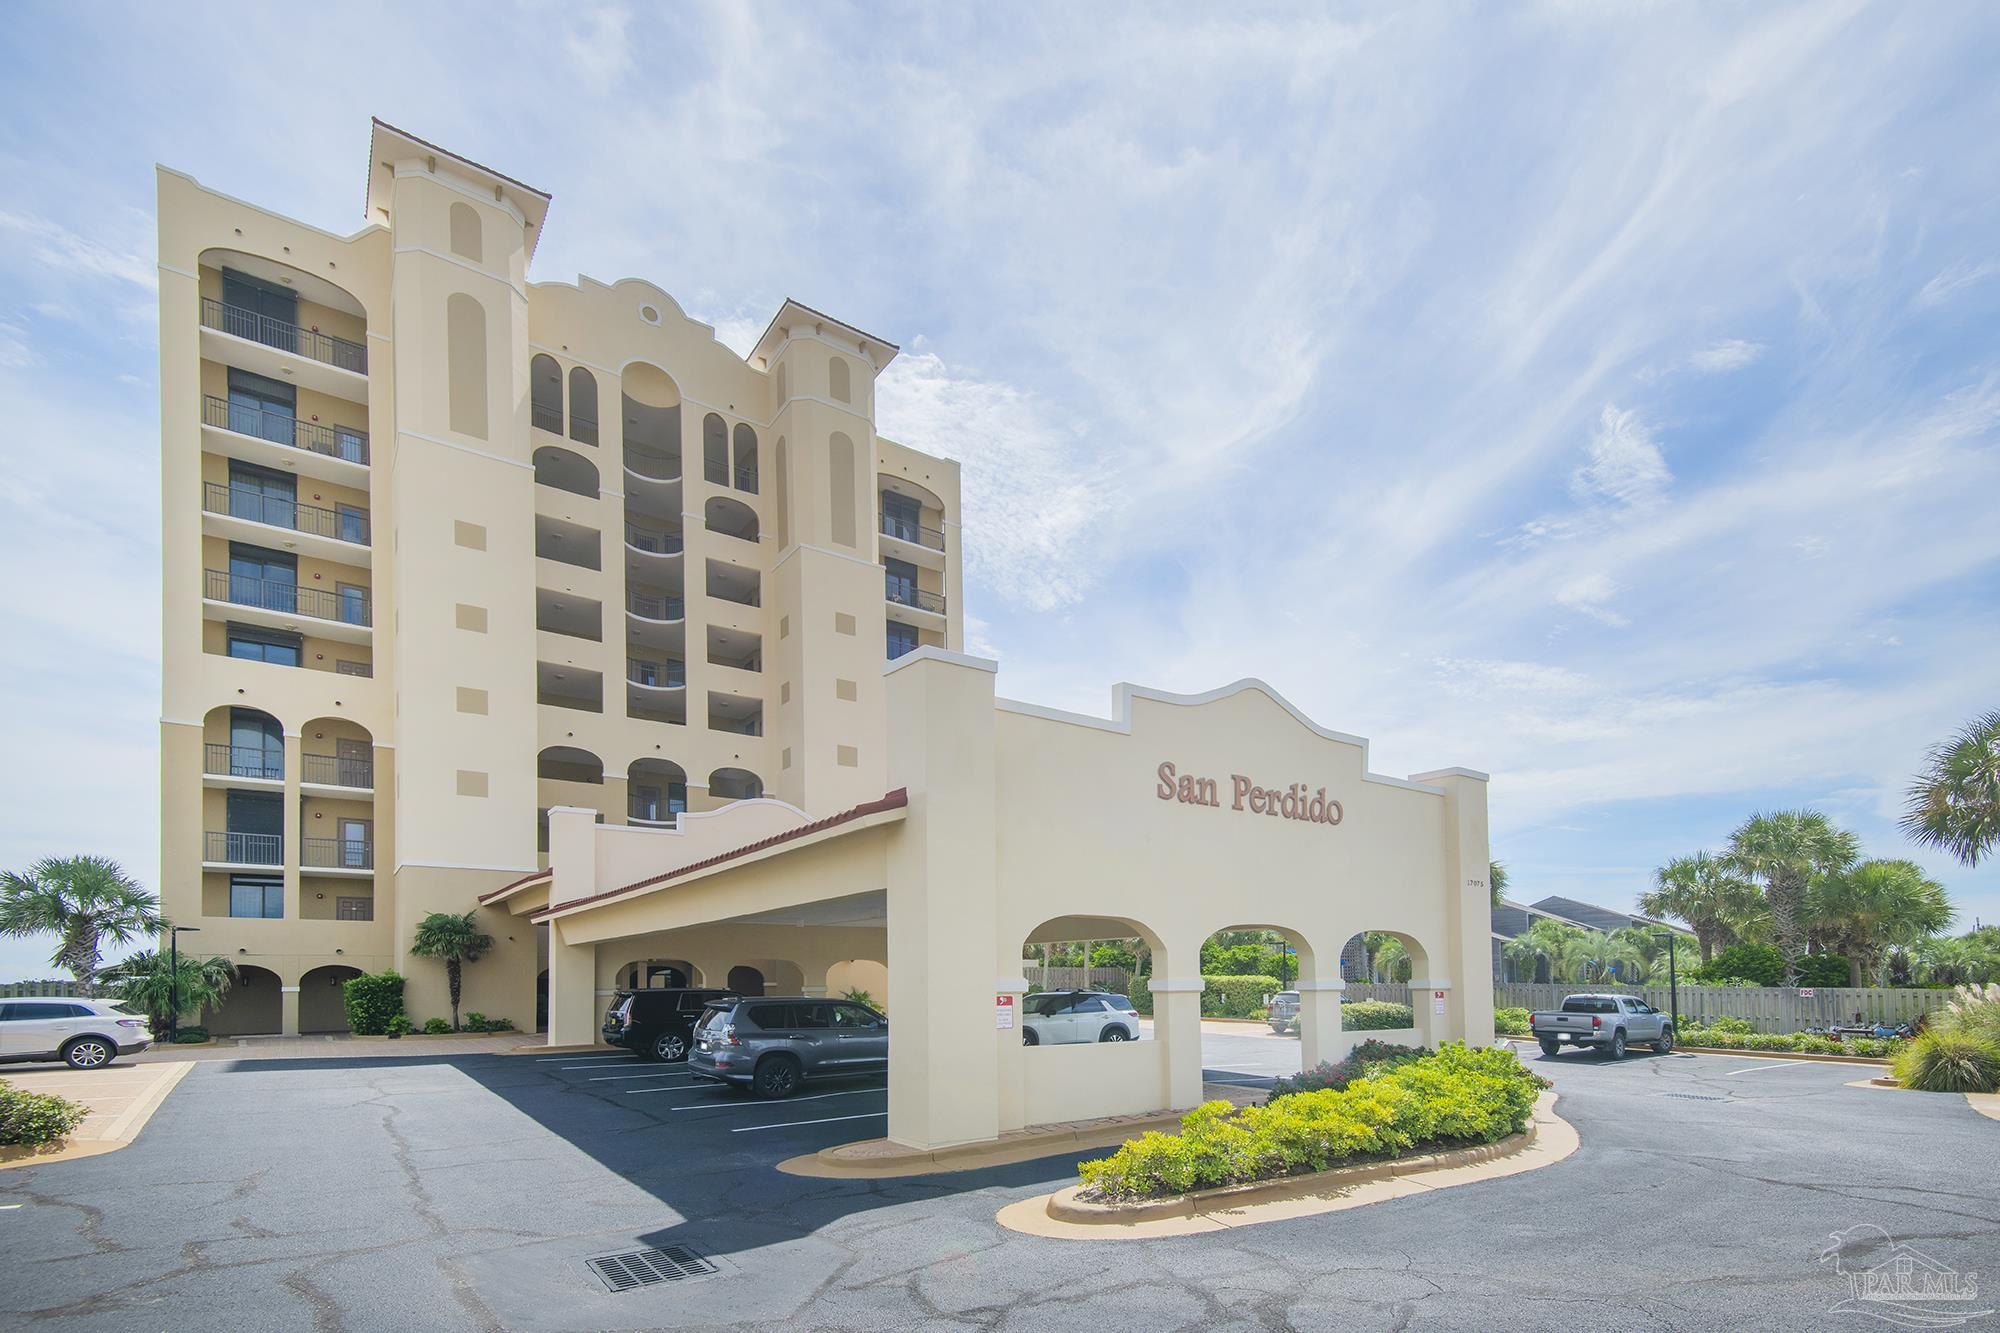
[
  {"x": 1542, "y": 942},
  {"x": 1957, "y": 959},
  {"x": 456, "y": 938},
  {"x": 146, "y": 981},
  {"x": 1496, "y": 880},
  {"x": 1704, "y": 892},
  {"x": 1955, "y": 802},
  {"x": 1787, "y": 850},
  {"x": 85, "y": 902},
  {"x": 1593, "y": 955},
  {"x": 1388, "y": 958},
  {"x": 1875, "y": 906}
]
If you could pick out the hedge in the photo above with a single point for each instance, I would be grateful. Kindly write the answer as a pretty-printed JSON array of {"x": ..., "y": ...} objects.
[
  {"x": 1367, "y": 1060},
  {"x": 1374, "y": 1015},
  {"x": 1236, "y": 997},
  {"x": 372, "y": 1000},
  {"x": 1510, "y": 1022},
  {"x": 31, "y": 1119},
  {"x": 1871, "y": 1048},
  {"x": 1452, "y": 1097}
]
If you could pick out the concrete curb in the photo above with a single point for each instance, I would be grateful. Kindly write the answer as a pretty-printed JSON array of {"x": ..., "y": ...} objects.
[
  {"x": 1068, "y": 1206},
  {"x": 879, "y": 1159},
  {"x": 1784, "y": 1055},
  {"x": 593, "y": 1048},
  {"x": 119, "y": 1133}
]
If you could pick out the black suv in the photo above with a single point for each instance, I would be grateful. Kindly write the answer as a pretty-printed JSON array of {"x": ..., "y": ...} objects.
[{"x": 657, "y": 1022}]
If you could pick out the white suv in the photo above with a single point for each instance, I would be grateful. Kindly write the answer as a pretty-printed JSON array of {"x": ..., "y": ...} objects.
[
  {"x": 87, "y": 1033},
  {"x": 1055, "y": 1017}
]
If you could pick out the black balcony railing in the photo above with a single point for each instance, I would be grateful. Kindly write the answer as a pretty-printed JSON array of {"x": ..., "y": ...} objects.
[
  {"x": 348, "y": 607},
  {"x": 309, "y": 343},
  {"x": 243, "y": 761},
  {"x": 331, "y": 770},
  {"x": 336, "y": 854},
  {"x": 244, "y": 849},
  {"x": 904, "y": 593},
  {"x": 655, "y": 543},
  {"x": 915, "y": 533},
  {"x": 655, "y": 608},
  {"x": 721, "y": 474},
  {"x": 656, "y": 467},
  {"x": 656, "y": 675},
  {"x": 343, "y": 442},
  {"x": 342, "y": 525},
  {"x": 546, "y": 417}
]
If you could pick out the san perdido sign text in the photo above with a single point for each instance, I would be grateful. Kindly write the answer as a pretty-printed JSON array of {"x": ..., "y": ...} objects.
[{"x": 1293, "y": 802}]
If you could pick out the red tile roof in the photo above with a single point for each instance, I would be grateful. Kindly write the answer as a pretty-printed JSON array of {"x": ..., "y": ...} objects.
[
  {"x": 894, "y": 800},
  {"x": 509, "y": 888}
]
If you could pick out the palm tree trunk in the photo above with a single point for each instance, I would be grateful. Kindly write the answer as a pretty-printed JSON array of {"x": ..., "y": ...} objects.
[
  {"x": 1854, "y": 969},
  {"x": 452, "y": 977}
]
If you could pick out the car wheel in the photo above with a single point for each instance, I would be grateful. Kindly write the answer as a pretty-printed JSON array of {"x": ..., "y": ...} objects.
[
  {"x": 1278, "y": 1028},
  {"x": 1028, "y": 1037},
  {"x": 1551, "y": 1047},
  {"x": 778, "y": 1076},
  {"x": 670, "y": 1046},
  {"x": 89, "y": 1053},
  {"x": 1665, "y": 1044},
  {"x": 1114, "y": 1034},
  {"x": 1615, "y": 1049}
]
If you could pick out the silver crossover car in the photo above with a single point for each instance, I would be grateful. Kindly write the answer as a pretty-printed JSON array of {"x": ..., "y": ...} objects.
[{"x": 771, "y": 1044}]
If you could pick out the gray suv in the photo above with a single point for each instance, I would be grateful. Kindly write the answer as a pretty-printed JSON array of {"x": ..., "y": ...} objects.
[{"x": 772, "y": 1044}]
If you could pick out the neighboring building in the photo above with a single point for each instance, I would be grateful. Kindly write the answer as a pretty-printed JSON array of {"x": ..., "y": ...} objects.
[
  {"x": 1511, "y": 919},
  {"x": 444, "y": 548}
]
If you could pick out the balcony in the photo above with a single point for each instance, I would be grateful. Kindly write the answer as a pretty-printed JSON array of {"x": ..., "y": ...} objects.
[
  {"x": 547, "y": 416},
  {"x": 721, "y": 474},
  {"x": 651, "y": 541},
  {"x": 340, "y": 534},
  {"x": 654, "y": 675},
  {"x": 265, "y": 331},
  {"x": 346, "y": 613},
  {"x": 652, "y": 465},
  {"x": 253, "y": 763},
  {"x": 659, "y": 608},
  {"x": 327, "y": 770},
  {"x": 331, "y": 453},
  {"x": 262, "y": 850},
  {"x": 902, "y": 530},
  {"x": 337, "y": 854},
  {"x": 901, "y": 592}
]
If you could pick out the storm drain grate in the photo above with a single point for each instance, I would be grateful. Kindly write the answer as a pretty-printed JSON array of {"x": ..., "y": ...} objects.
[
  {"x": 1694, "y": 1097},
  {"x": 643, "y": 1268}
]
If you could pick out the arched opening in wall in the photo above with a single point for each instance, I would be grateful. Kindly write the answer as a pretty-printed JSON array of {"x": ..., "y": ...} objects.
[
  {"x": 745, "y": 472},
  {"x": 567, "y": 763},
  {"x": 545, "y": 406},
  {"x": 714, "y": 450},
  {"x": 273, "y": 303},
  {"x": 323, "y": 999},
  {"x": 655, "y": 792},
  {"x": 735, "y": 784},
  {"x": 840, "y": 379},
  {"x": 1379, "y": 1001},
  {"x": 745, "y": 980},
  {"x": 336, "y": 752},
  {"x": 731, "y": 518},
  {"x": 246, "y": 743},
  {"x": 582, "y": 406},
  {"x": 658, "y": 974},
  {"x": 1088, "y": 981},
  {"x": 1260, "y": 972},
  {"x": 1102, "y": 1043},
  {"x": 863, "y": 980},
  {"x": 252, "y": 1006},
  {"x": 466, "y": 240},
  {"x": 565, "y": 470},
  {"x": 465, "y": 363},
  {"x": 650, "y": 406}
]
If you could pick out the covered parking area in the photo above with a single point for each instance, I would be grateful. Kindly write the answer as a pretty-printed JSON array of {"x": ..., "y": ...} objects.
[{"x": 1008, "y": 825}]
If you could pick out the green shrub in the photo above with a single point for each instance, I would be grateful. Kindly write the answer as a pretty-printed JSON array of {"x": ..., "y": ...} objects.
[
  {"x": 1236, "y": 996},
  {"x": 1762, "y": 965},
  {"x": 1948, "y": 1061},
  {"x": 436, "y": 1027},
  {"x": 1366, "y": 1060},
  {"x": 1508, "y": 1022},
  {"x": 371, "y": 1001},
  {"x": 1453, "y": 1096},
  {"x": 1871, "y": 1048},
  {"x": 191, "y": 1035},
  {"x": 32, "y": 1119},
  {"x": 1728, "y": 1023},
  {"x": 399, "y": 1026},
  {"x": 1141, "y": 992},
  {"x": 1375, "y": 1015}
]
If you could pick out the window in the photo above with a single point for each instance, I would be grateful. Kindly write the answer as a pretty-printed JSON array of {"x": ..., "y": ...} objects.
[
  {"x": 24, "y": 1011},
  {"x": 901, "y": 516},
  {"x": 257, "y": 896},
  {"x": 852, "y": 1017},
  {"x": 902, "y": 581},
  {"x": 256, "y": 745},
  {"x": 262, "y": 407},
  {"x": 1589, "y": 1004},
  {"x": 656, "y": 802},
  {"x": 261, "y": 311},
  {"x": 260, "y": 645},
  {"x": 260, "y": 577},
  {"x": 773, "y": 1017},
  {"x": 258, "y": 496}
]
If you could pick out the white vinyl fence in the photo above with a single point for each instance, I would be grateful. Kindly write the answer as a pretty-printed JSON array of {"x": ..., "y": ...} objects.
[{"x": 1768, "y": 1008}]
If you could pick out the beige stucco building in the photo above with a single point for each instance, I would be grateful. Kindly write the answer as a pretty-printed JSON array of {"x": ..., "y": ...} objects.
[{"x": 450, "y": 627}]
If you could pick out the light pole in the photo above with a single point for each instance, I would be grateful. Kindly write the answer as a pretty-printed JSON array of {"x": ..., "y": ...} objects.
[
  {"x": 174, "y": 977},
  {"x": 1673, "y": 980}
]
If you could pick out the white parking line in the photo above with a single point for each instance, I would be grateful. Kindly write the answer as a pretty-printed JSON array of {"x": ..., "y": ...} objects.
[
  {"x": 610, "y": 1078},
  {"x": 695, "y": 1086},
  {"x": 755, "y": 1106},
  {"x": 583, "y": 1055},
  {"x": 1793, "y": 1064},
  {"x": 793, "y": 1124},
  {"x": 600, "y": 1064}
]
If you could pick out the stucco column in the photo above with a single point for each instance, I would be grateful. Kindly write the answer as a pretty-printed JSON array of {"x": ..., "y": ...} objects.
[
  {"x": 1468, "y": 944},
  {"x": 294, "y": 856},
  {"x": 1320, "y": 1037},
  {"x": 288, "y": 1010},
  {"x": 1433, "y": 1028},
  {"x": 1177, "y": 1024},
  {"x": 942, "y": 890},
  {"x": 1013, "y": 1091},
  {"x": 573, "y": 1007}
]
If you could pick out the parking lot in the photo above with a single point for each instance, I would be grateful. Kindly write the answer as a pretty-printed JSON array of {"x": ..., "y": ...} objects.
[{"x": 469, "y": 1191}]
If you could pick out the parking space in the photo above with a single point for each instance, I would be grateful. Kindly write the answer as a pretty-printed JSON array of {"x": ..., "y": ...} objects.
[{"x": 700, "y": 1108}]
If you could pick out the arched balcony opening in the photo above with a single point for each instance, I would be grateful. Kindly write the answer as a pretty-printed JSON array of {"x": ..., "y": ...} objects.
[
  {"x": 735, "y": 784},
  {"x": 565, "y": 470},
  {"x": 569, "y": 763},
  {"x": 337, "y": 752},
  {"x": 323, "y": 998},
  {"x": 731, "y": 518},
  {"x": 650, "y": 406},
  {"x": 714, "y": 450},
  {"x": 656, "y": 791},
  {"x": 743, "y": 475},
  {"x": 545, "y": 393},
  {"x": 243, "y": 743},
  {"x": 582, "y": 406}
]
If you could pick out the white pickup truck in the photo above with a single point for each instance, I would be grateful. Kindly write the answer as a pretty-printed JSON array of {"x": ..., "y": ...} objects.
[{"x": 1608, "y": 1022}]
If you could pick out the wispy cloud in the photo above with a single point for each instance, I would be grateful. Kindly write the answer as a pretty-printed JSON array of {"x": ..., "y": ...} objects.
[
  {"x": 1956, "y": 278},
  {"x": 1624, "y": 465},
  {"x": 1720, "y": 358}
]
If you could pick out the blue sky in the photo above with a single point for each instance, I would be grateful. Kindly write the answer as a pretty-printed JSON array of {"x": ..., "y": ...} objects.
[{"x": 1607, "y": 397}]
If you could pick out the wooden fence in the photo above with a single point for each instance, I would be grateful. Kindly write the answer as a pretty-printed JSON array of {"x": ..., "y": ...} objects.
[
  {"x": 1114, "y": 979},
  {"x": 15, "y": 989},
  {"x": 1767, "y": 1008}
]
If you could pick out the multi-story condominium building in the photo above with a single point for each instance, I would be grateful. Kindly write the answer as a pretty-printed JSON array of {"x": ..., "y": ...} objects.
[{"x": 444, "y": 547}]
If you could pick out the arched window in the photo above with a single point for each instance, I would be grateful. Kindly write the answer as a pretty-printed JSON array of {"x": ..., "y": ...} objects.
[
  {"x": 840, "y": 380},
  {"x": 545, "y": 393},
  {"x": 746, "y": 458},
  {"x": 715, "y": 450},
  {"x": 840, "y": 470},
  {"x": 784, "y": 500},
  {"x": 582, "y": 405},
  {"x": 465, "y": 238},
  {"x": 465, "y": 363}
]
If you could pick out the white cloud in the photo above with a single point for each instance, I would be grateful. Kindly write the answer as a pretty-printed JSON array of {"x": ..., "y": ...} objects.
[
  {"x": 1955, "y": 279},
  {"x": 1625, "y": 466},
  {"x": 1589, "y": 594},
  {"x": 1720, "y": 358},
  {"x": 55, "y": 246}
]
